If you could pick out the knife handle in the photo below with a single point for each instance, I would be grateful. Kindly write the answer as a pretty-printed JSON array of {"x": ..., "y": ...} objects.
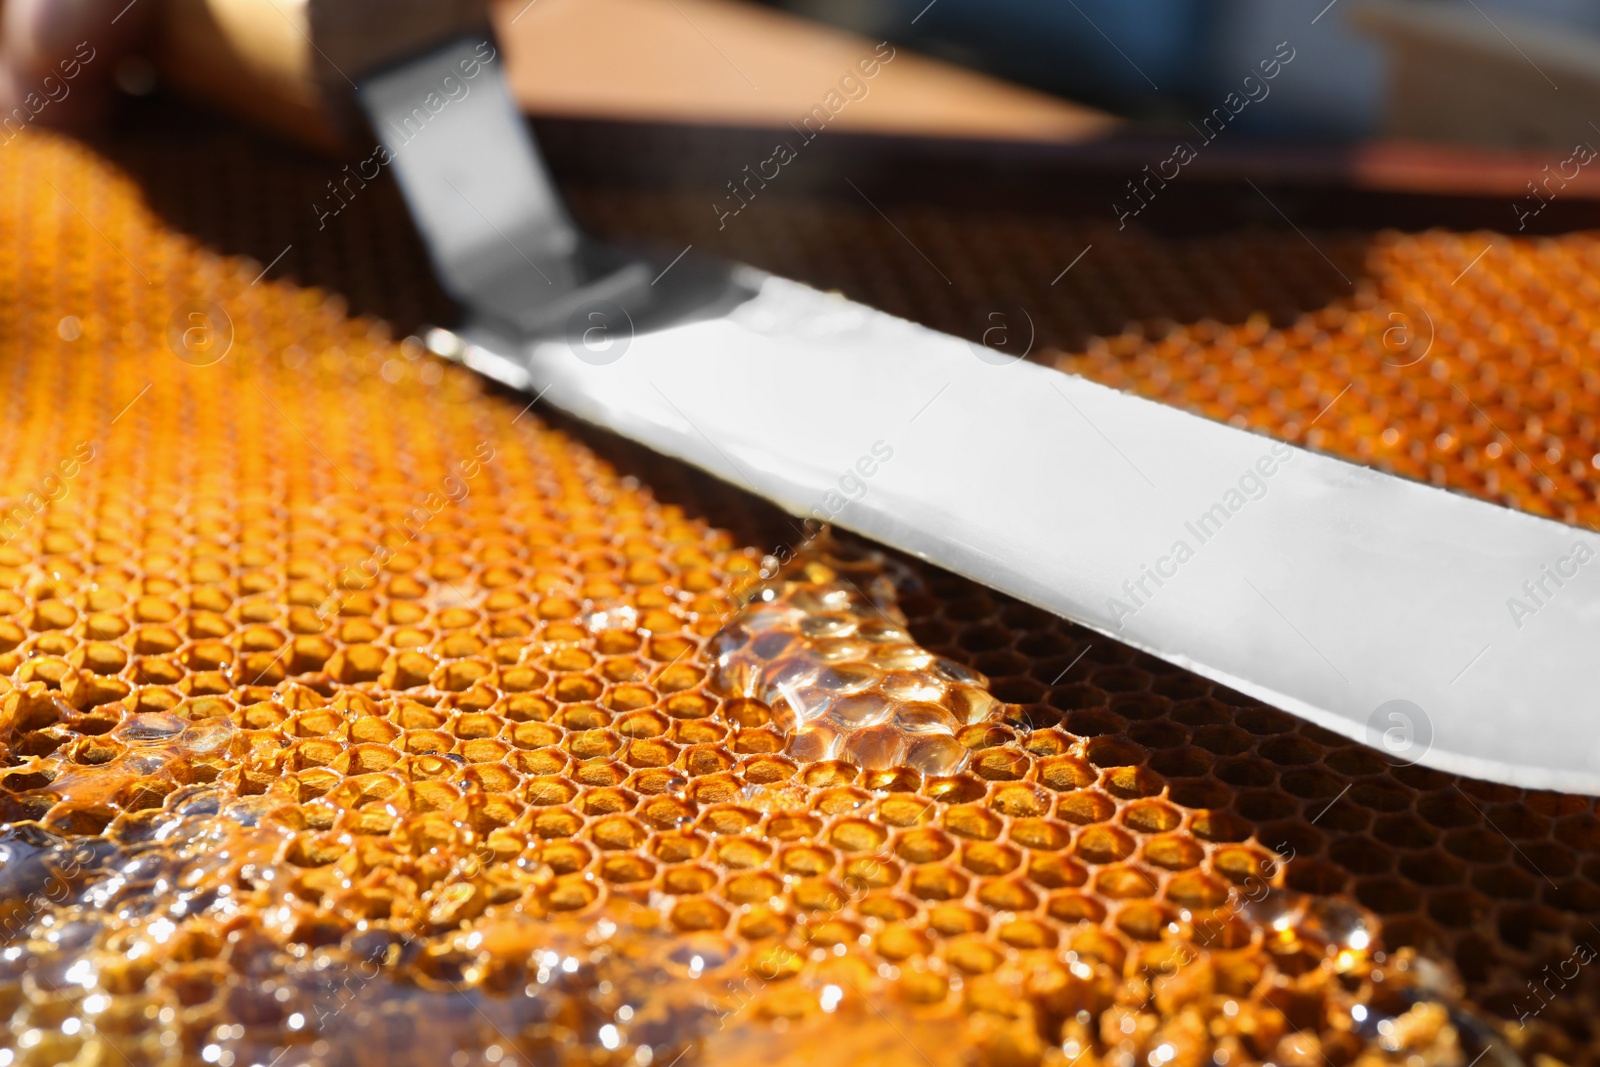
[{"x": 292, "y": 65}]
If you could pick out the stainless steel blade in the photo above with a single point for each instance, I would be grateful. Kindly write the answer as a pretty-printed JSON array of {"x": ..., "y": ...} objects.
[
  {"x": 1371, "y": 605},
  {"x": 1441, "y": 629}
]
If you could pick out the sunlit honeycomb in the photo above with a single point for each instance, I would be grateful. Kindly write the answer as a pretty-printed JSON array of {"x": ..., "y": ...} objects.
[
  {"x": 1320, "y": 338},
  {"x": 369, "y": 718}
]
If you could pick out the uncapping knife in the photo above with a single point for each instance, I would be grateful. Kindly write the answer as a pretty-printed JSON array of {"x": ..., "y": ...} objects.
[{"x": 1373, "y": 606}]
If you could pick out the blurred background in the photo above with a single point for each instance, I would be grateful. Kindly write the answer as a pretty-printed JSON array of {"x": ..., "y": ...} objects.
[
  {"x": 1510, "y": 73},
  {"x": 1172, "y": 60}
]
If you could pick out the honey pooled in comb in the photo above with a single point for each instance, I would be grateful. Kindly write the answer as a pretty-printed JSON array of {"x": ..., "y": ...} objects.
[
  {"x": 839, "y": 670},
  {"x": 209, "y": 900},
  {"x": 131, "y": 767},
  {"x": 1454, "y": 356},
  {"x": 483, "y": 794}
]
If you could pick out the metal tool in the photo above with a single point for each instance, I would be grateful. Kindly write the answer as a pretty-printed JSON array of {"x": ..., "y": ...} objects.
[{"x": 1376, "y": 607}]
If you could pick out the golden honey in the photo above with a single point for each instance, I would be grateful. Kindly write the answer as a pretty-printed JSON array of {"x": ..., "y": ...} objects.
[{"x": 354, "y": 715}]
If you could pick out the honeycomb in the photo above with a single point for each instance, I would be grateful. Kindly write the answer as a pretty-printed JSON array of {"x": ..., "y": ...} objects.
[
  {"x": 356, "y": 714},
  {"x": 1481, "y": 386}
]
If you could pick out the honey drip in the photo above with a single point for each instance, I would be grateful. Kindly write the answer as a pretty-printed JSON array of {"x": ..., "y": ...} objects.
[{"x": 467, "y": 775}]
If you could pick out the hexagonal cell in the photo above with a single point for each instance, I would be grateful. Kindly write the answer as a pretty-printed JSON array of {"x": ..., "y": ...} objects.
[{"x": 477, "y": 694}]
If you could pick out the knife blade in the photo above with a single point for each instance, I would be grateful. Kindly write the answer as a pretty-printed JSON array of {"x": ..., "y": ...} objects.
[{"x": 1439, "y": 629}]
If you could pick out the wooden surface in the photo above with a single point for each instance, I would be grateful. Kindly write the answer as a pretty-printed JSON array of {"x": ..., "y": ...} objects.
[{"x": 728, "y": 62}]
